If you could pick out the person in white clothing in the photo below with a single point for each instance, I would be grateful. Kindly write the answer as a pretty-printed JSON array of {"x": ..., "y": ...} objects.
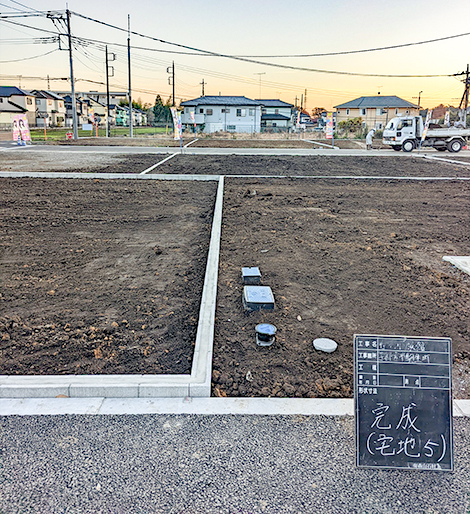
[{"x": 369, "y": 137}]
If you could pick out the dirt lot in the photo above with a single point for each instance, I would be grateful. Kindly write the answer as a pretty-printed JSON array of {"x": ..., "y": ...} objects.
[
  {"x": 373, "y": 166},
  {"x": 101, "y": 276},
  {"x": 341, "y": 257},
  {"x": 229, "y": 141},
  {"x": 24, "y": 160}
]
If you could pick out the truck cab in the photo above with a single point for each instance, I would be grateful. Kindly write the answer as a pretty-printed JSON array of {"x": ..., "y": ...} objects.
[{"x": 403, "y": 132}]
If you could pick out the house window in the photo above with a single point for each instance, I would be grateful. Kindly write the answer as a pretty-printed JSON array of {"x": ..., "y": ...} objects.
[
  {"x": 225, "y": 111},
  {"x": 252, "y": 112},
  {"x": 347, "y": 112},
  {"x": 363, "y": 112},
  {"x": 209, "y": 112},
  {"x": 201, "y": 111},
  {"x": 231, "y": 127},
  {"x": 263, "y": 111},
  {"x": 49, "y": 102},
  {"x": 396, "y": 110},
  {"x": 276, "y": 111},
  {"x": 29, "y": 101},
  {"x": 378, "y": 126},
  {"x": 241, "y": 112}
]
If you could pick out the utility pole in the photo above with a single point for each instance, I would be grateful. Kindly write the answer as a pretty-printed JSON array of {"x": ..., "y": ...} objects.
[
  {"x": 171, "y": 81},
  {"x": 72, "y": 80},
  {"x": 464, "y": 102},
  {"x": 129, "y": 72},
  {"x": 263, "y": 73},
  {"x": 113, "y": 58},
  {"x": 305, "y": 100},
  {"x": 301, "y": 103},
  {"x": 202, "y": 84},
  {"x": 48, "y": 83}
]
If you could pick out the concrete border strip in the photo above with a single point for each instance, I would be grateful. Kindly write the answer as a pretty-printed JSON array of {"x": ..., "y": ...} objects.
[
  {"x": 105, "y": 176},
  {"x": 447, "y": 161},
  {"x": 158, "y": 164},
  {"x": 347, "y": 177},
  {"x": 145, "y": 386},
  {"x": 190, "y": 143},
  {"x": 194, "y": 406},
  {"x": 321, "y": 144},
  {"x": 201, "y": 371}
]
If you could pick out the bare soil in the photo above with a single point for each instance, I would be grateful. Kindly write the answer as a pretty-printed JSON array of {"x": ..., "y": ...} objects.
[
  {"x": 342, "y": 257},
  {"x": 78, "y": 162},
  {"x": 106, "y": 276},
  {"x": 371, "y": 166},
  {"x": 101, "y": 276}
]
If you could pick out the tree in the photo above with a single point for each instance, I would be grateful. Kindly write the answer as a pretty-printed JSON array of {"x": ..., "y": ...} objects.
[
  {"x": 161, "y": 112},
  {"x": 317, "y": 112}
]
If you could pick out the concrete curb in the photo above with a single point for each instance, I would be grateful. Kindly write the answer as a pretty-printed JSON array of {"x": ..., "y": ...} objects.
[
  {"x": 198, "y": 383},
  {"x": 129, "y": 176},
  {"x": 195, "y": 406}
]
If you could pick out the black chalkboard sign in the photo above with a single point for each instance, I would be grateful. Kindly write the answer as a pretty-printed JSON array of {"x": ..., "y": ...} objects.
[{"x": 403, "y": 402}]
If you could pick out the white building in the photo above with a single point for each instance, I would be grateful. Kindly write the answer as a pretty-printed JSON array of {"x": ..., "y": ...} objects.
[
  {"x": 275, "y": 114},
  {"x": 222, "y": 113},
  {"x": 14, "y": 100},
  {"x": 50, "y": 109}
]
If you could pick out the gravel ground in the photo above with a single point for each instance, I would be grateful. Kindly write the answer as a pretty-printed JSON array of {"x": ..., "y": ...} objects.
[{"x": 212, "y": 465}]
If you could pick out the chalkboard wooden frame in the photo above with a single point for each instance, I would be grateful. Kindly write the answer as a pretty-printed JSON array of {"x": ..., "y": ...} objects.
[{"x": 403, "y": 402}]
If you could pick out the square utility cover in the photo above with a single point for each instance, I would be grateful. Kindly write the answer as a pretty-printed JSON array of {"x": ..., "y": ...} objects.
[
  {"x": 258, "y": 297},
  {"x": 251, "y": 275}
]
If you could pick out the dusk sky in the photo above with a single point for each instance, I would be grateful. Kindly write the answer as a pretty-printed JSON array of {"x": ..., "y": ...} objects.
[{"x": 249, "y": 28}]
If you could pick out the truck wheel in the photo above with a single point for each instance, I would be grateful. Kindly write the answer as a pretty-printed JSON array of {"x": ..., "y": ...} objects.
[
  {"x": 454, "y": 146},
  {"x": 408, "y": 145},
  {"x": 396, "y": 148}
]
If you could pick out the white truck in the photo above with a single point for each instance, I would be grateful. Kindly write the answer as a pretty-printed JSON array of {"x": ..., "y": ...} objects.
[{"x": 405, "y": 133}]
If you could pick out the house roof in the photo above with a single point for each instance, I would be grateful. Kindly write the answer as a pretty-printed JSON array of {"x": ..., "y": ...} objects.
[
  {"x": 220, "y": 100},
  {"x": 372, "y": 102},
  {"x": 274, "y": 103},
  {"x": 6, "y": 91},
  {"x": 265, "y": 117},
  {"x": 10, "y": 106}
]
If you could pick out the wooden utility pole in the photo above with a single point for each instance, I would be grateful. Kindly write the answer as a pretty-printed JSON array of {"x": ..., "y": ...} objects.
[{"x": 202, "y": 84}]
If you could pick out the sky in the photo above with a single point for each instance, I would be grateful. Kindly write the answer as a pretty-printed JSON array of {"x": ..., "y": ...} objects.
[{"x": 256, "y": 29}]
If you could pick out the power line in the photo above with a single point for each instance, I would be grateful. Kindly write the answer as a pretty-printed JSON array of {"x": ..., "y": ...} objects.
[
  {"x": 29, "y": 58},
  {"x": 262, "y": 63}
]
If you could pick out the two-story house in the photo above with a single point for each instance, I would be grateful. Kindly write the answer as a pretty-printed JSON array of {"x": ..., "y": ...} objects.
[
  {"x": 222, "y": 113},
  {"x": 50, "y": 109},
  {"x": 14, "y": 100},
  {"x": 375, "y": 111},
  {"x": 275, "y": 114}
]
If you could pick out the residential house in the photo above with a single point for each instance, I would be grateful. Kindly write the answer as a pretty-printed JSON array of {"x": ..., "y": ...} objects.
[
  {"x": 276, "y": 114},
  {"x": 222, "y": 113},
  {"x": 14, "y": 100},
  {"x": 375, "y": 111},
  {"x": 82, "y": 107},
  {"x": 50, "y": 109}
]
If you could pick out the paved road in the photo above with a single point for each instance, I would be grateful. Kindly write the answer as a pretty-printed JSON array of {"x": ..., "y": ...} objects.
[{"x": 211, "y": 464}]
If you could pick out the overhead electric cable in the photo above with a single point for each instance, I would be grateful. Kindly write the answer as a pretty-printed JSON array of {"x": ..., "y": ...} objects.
[
  {"x": 262, "y": 63},
  {"x": 29, "y": 58}
]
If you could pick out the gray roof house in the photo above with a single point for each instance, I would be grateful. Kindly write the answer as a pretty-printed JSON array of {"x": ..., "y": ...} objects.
[
  {"x": 275, "y": 114},
  {"x": 222, "y": 113},
  {"x": 375, "y": 111}
]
